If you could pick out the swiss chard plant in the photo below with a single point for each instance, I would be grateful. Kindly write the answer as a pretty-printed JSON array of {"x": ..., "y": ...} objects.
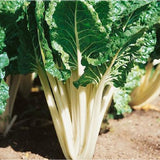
[
  {"x": 4, "y": 61},
  {"x": 138, "y": 89},
  {"x": 81, "y": 51},
  {"x": 149, "y": 87}
]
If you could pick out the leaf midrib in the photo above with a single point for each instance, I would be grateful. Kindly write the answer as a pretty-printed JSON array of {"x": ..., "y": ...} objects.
[{"x": 80, "y": 68}]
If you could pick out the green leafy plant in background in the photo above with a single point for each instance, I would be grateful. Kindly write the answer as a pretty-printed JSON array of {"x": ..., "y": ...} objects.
[
  {"x": 4, "y": 61},
  {"x": 142, "y": 84},
  {"x": 149, "y": 87},
  {"x": 14, "y": 82},
  {"x": 122, "y": 96},
  {"x": 80, "y": 58},
  {"x": 126, "y": 96}
]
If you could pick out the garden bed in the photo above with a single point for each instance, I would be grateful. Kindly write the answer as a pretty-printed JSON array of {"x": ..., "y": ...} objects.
[{"x": 136, "y": 136}]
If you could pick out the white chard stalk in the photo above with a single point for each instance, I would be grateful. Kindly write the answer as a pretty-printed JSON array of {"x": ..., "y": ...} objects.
[
  {"x": 79, "y": 49},
  {"x": 76, "y": 136},
  {"x": 77, "y": 114},
  {"x": 149, "y": 88}
]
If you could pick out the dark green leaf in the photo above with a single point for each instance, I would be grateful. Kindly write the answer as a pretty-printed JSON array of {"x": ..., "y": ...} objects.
[
  {"x": 4, "y": 90},
  {"x": 47, "y": 53}
]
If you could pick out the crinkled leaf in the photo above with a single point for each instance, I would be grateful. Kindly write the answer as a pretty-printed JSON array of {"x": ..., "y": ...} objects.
[
  {"x": 11, "y": 6},
  {"x": 11, "y": 13},
  {"x": 86, "y": 32},
  {"x": 135, "y": 54},
  {"x": 133, "y": 79},
  {"x": 121, "y": 100},
  {"x": 57, "y": 71},
  {"x": 131, "y": 35},
  {"x": 3, "y": 56},
  {"x": 104, "y": 13},
  {"x": 28, "y": 48},
  {"x": 122, "y": 97},
  {"x": 4, "y": 90},
  {"x": 92, "y": 74},
  {"x": 3, "y": 61},
  {"x": 119, "y": 71},
  {"x": 140, "y": 51},
  {"x": 156, "y": 53},
  {"x": 20, "y": 47},
  {"x": 79, "y": 32}
]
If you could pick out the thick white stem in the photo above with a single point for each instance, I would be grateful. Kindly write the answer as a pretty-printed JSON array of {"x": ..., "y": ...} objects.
[
  {"x": 106, "y": 102},
  {"x": 107, "y": 98},
  {"x": 82, "y": 105},
  {"x": 95, "y": 119},
  {"x": 148, "y": 90},
  {"x": 155, "y": 74},
  {"x": 95, "y": 122},
  {"x": 53, "y": 110},
  {"x": 147, "y": 96},
  {"x": 63, "y": 113},
  {"x": 147, "y": 77},
  {"x": 60, "y": 107},
  {"x": 81, "y": 96},
  {"x": 74, "y": 111}
]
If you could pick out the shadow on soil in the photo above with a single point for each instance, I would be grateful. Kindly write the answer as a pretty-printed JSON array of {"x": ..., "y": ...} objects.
[{"x": 33, "y": 130}]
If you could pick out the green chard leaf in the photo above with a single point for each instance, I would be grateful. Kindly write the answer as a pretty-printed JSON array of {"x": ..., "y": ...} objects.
[
  {"x": 122, "y": 97},
  {"x": 138, "y": 51},
  {"x": 103, "y": 10},
  {"x": 156, "y": 53},
  {"x": 11, "y": 15},
  {"x": 92, "y": 74},
  {"x": 28, "y": 50},
  {"x": 78, "y": 33},
  {"x": 144, "y": 48},
  {"x": 121, "y": 100},
  {"x": 91, "y": 36},
  {"x": 79, "y": 36},
  {"x": 131, "y": 34},
  {"x": 49, "y": 55},
  {"x": 4, "y": 89},
  {"x": 11, "y": 6}
]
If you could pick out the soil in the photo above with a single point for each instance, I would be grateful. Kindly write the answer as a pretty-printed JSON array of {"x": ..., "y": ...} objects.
[{"x": 136, "y": 136}]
